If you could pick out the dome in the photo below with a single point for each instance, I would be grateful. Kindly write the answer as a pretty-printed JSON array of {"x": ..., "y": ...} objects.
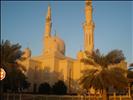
[
  {"x": 54, "y": 44},
  {"x": 59, "y": 44}
]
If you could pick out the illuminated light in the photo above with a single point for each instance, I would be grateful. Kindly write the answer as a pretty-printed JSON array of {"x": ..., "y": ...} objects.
[{"x": 2, "y": 74}]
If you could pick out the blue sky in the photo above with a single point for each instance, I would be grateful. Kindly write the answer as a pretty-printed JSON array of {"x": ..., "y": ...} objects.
[{"x": 23, "y": 22}]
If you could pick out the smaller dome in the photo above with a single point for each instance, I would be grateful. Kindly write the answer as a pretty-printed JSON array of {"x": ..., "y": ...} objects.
[
  {"x": 80, "y": 55},
  {"x": 27, "y": 53},
  {"x": 59, "y": 44}
]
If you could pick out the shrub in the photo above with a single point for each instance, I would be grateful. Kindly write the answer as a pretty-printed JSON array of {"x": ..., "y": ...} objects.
[
  {"x": 44, "y": 88},
  {"x": 59, "y": 88}
]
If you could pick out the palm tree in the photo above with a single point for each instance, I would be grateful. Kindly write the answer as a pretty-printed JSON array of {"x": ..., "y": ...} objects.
[
  {"x": 9, "y": 54},
  {"x": 105, "y": 72},
  {"x": 14, "y": 75}
]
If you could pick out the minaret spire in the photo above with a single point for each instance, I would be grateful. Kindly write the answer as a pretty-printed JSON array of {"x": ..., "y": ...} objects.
[
  {"x": 48, "y": 23},
  {"x": 88, "y": 11},
  {"x": 47, "y": 32},
  {"x": 88, "y": 27}
]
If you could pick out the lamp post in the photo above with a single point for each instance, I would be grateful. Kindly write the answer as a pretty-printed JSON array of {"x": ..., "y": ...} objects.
[
  {"x": 129, "y": 90},
  {"x": 35, "y": 79},
  {"x": 2, "y": 76},
  {"x": 69, "y": 78}
]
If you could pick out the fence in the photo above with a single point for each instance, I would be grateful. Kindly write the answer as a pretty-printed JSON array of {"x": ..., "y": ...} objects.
[{"x": 55, "y": 97}]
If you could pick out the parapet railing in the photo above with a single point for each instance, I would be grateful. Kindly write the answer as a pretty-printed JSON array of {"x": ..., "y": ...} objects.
[{"x": 13, "y": 96}]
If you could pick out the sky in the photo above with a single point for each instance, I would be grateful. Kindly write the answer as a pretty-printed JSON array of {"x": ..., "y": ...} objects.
[{"x": 23, "y": 22}]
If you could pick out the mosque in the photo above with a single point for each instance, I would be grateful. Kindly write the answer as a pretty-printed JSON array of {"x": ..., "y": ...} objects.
[{"x": 52, "y": 64}]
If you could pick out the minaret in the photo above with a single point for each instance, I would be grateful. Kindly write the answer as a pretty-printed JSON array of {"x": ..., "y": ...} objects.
[
  {"x": 47, "y": 32},
  {"x": 88, "y": 27},
  {"x": 48, "y": 23}
]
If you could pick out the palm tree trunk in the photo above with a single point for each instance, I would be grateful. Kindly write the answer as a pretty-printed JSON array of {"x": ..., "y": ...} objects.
[{"x": 105, "y": 95}]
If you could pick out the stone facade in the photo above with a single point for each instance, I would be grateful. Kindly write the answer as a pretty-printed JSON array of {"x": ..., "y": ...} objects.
[{"x": 52, "y": 64}]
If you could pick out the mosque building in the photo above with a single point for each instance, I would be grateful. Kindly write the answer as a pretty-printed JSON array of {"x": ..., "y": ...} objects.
[{"x": 52, "y": 64}]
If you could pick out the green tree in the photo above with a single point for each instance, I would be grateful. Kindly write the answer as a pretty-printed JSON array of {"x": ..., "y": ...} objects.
[
  {"x": 15, "y": 79},
  {"x": 59, "y": 88},
  {"x": 105, "y": 72}
]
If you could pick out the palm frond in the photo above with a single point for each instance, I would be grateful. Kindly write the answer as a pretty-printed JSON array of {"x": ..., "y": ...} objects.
[
  {"x": 89, "y": 61},
  {"x": 103, "y": 76},
  {"x": 87, "y": 77},
  {"x": 115, "y": 56},
  {"x": 9, "y": 54},
  {"x": 118, "y": 77}
]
